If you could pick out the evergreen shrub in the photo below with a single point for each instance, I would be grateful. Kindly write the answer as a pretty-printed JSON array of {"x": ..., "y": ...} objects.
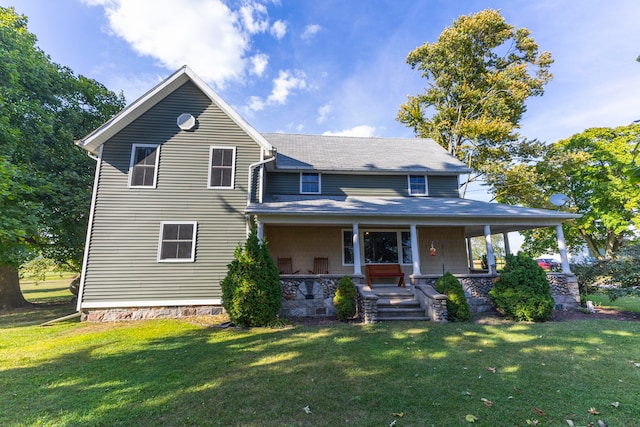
[
  {"x": 251, "y": 292},
  {"x": 345, "y": 299},
  {"x": 457, "y": 305},
  {"x": 523, "y": 291}
]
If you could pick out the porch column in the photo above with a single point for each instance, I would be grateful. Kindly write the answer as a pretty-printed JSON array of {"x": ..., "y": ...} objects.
[
  {"x": 260, "y": 230},
  {"x": 470, "y": 253},
  {"x": 491, "y": 259},
  {"x": 357, "y": 268},
  {"x": 507, "y": 247},
  {"x": 562, "y": 248},
  {"x": 415, "y": 251}
]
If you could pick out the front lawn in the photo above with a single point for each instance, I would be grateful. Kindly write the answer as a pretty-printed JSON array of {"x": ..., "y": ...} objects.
[
  {"x": 626, "y": 303},
  {"x": 178, "y": 372}
]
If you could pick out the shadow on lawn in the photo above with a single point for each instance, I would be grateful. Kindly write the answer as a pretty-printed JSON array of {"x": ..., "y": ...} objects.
[{"x": 348, "y": 374}]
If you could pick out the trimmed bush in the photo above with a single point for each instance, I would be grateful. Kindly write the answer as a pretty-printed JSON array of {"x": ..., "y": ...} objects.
[
  {"x": 457, "y": 305},
  {"x": 344, "y": 299},
  {"x": 251, "y": 292},
  {"x": 523, "y": 291}
]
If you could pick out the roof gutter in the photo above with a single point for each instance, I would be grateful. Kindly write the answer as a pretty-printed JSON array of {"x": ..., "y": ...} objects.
[{"x": 250, "y": 174}]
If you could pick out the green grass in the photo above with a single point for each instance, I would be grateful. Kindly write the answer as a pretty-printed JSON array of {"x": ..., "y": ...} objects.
[
  {"x": 627, "y": 303},
  {"x": 177, "y": 372}
]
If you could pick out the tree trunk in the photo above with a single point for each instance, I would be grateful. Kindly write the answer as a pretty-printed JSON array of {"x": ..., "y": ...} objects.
[{"x": 10, "y": 293}]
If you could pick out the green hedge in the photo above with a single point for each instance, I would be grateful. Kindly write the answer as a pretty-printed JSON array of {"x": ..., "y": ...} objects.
[
  {"x": 251, "y": 292},
  {"x": 345, "y": 299},
  {"x": 523, "y": 291},
  {"x": 457, "y": 305}
]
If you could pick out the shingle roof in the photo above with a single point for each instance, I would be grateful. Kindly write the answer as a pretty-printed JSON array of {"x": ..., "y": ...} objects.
[
  {"x": 358, "y": 154},
  {"x": 435, "y": 210}
]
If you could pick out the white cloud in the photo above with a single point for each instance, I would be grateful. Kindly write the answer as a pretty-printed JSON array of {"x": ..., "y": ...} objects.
[
  {"x": 323, "y": 112},
  {"x": 255, "y": 103},
  {"x": 254, "y": 17},
  {"x": 279, "y": 29},
  {"x": 362, "y": 131},
  {"x": 310, "y": 31},
  {"x": 207, "y": 35},
  {"x": 259, "y": 63},
  {"x": 284, "y": 84}
]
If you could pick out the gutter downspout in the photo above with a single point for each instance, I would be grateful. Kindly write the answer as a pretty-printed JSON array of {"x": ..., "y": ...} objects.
[{"x": 250, "y": 188}]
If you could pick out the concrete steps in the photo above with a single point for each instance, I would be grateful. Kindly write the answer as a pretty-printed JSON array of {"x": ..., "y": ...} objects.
[{"x": 396, "y": 303}]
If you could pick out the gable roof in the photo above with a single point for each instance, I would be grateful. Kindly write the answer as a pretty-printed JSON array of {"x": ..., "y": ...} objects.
[
  {"x": 360, "y": 154},
  {"x": 95, "y": 139}
]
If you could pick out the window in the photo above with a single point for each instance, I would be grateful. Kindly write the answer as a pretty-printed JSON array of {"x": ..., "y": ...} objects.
[
  {"x": 417, "y": 185},
  {"x": 347, "y": 247},
  {"x": 177, "y": 241},
  {"x": 309, "y": 183},
  {"x": 380, "y": 247},
  {"x": 222, "y": 167},
  {"x": 143, "y": 169}
]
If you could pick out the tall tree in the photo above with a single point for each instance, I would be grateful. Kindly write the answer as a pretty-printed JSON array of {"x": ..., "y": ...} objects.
[
  {"x": 591, "y": 169},
  {"x": 45, "y": 181},
  {"x": 480, "y": 73}
]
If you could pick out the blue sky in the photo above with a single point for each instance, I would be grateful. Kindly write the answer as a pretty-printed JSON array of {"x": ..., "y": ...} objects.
[{"x": 338, "y": 66}]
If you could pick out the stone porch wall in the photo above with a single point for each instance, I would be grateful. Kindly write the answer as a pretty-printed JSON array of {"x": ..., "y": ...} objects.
[
  {"x": 143, "y": 313},
  {"x": 312, "y": 295},
  {"x": 564, "y": 289}
]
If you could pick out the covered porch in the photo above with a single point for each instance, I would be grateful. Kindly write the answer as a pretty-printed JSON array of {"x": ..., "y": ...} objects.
[{"x": 424, "y": 236}]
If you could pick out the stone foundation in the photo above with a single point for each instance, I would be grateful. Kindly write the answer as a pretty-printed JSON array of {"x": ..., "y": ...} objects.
[
  {"x": 142, "y": 313},
  {"x": 305, "y": 295}
]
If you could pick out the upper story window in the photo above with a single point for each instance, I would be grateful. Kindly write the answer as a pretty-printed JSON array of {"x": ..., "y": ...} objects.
[
  {"x": 309, "y": 183},
  {"x": 418, "y": 185},
  {"x": 222, "y": 162},
  {"x": 177, "y": 241},
  {"x": 143, "y": 169}
]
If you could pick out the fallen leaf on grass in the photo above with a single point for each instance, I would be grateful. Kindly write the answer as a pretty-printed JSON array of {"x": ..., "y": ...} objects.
[
  {"x": 487, "y": 402},
  {"x": 615, "y": 404},
  {"x": 601, "y": 423},
  {"x": 593, "y": 411},
  {"x": 392, "y": 423},
  {"x": 465, "y": 393},
  {"x": 306, "y": 409},
  {"x": 398, "y": 414},
  {"x": 490, "y": 369},
  {"x": 539, "y": 411},
  {"x": 532, "y": 422},
  {"x": 471, "y": 418},
  {"x": 570, "y": 423}
]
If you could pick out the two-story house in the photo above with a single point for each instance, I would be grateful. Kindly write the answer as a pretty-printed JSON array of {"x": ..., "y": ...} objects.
[{"x": 180, "y": 176}]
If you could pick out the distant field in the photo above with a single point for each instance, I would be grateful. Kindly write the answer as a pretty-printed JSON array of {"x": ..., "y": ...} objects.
[{"x": 54, "y": 289}]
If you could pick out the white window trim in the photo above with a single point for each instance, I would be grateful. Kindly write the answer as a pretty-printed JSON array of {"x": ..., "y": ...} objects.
[
  {"x": 362, "y": 233},
  {"x": 426, "y": 185},
  {"x": 132, "y": 159},
  {"x": 233, "y": 167},
  {"x": 193, "y": 240},
  {"x": 319, "y": 183}
]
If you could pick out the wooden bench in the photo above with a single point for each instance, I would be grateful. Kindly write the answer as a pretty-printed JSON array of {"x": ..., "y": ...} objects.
[{"x": 385, "y": 271}]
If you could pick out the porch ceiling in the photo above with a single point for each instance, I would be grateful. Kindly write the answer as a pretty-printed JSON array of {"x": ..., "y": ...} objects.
[{"x": 473, "y": 215}]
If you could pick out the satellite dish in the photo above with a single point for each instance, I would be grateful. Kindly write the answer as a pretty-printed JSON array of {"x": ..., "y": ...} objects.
[
  {"x": 558, "y": 199},
  {"x": 186, "y": 121}
]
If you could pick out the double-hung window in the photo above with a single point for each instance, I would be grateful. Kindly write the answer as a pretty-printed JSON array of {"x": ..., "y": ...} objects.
[
  {"x": 418, "y": 185},
  {"x": 143, "y": 168},
  {"x": 222, "y": 161},
  {"x": 310, "y": 183},
  {"x": 177, "y": 241}
]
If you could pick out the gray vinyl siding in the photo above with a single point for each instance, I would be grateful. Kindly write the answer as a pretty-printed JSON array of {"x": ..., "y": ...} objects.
[
  {"x": 443, "y": 186},
  {"x": 122, "y": 259},
  {"x": 361, "y": 185}
]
